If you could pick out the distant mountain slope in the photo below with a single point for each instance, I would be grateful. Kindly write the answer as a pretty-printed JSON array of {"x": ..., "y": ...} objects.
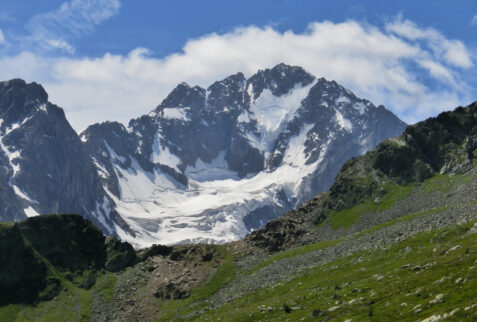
[
  {"x": 210, "y": 165},
  {"x": 45, "y": 167}
]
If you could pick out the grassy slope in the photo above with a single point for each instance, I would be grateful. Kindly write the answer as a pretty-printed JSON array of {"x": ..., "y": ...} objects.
[
  {"x": 368, "y": 296},
  {"x": 378, "y": 285},
  {"x": 347, "y": 217},
  {"x": 362, "y": 293},
  {"x": 71, "y": 304}
]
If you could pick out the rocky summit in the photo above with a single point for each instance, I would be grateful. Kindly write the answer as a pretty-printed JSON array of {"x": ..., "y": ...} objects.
[{"x": 206, "y": 165}]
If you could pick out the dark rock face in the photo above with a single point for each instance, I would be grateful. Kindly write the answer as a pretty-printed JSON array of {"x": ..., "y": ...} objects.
[
  {"x": 277, "y": 234},
  {"x": 280, "y": 80},
  {"x": 46, "y": 168},
  {"x": 281, "y": 132},
  {"x": 23, "y": 274},
  {"x": 118, "y": 254},
  {"x": 69, "y": 242}
]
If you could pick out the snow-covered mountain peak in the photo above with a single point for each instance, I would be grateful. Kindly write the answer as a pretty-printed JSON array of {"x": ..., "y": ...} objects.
[
  {"x": 214, "y": 164},
  {"x": 204, "y": 166},
  {"x": 19, "y": 101},
  {"x": 227, "y": 93},
  {"x": 279, "y": 80},
  {"x": 184, "y": 96}
]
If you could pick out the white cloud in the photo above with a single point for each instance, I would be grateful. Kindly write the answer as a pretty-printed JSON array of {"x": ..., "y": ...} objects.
[
  {"x": 72, "y": 19},
  {"x": 384, "y": 65},
  {"x": 452, "y": 51},
  {"x": 474, "y": 20},
  {"x": 2, "y": 37}
]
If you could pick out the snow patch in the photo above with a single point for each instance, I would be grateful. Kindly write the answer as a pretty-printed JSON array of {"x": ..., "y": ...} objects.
[
  {"x": 42, "y": 107},
  {"x": 161, "y": 154},
  {"x": 178, "y": 113},
  {"x": 102, "y": 211},
  {"x": 23, "y": 194},
  {"x": 30, "y": 212},
  {"x": 343, "y": 99},
  {"x": 343, "y": 122},
  {"x": 217, "y": 169},
  {"x": 272, "y": 113},
  {"x": 360, "y": 107},
  {"x": 113, "y": 155},
  {"x": 102, "y": 172},
  {"x": 11, "y": 155},
  {"x": 161, "y": 213},
  {"x": 243, "y": 118},
  {"x": 136, "y": 184}
]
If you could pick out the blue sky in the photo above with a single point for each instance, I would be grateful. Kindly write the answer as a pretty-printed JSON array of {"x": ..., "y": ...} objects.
[{"x": 116, "y": 59}]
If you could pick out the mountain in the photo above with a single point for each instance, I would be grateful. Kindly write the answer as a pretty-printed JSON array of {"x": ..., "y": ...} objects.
[
  {"x": 394, "y": 238},
  {"x": 424, "y": 163},
  {"x": 206, "y": 165},
  {"x": 45, "y": 166},
  {"x": 211, "y": 165}
]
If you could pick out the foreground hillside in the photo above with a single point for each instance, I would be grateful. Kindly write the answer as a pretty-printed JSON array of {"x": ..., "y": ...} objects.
[{"x": 394, "y": 238}]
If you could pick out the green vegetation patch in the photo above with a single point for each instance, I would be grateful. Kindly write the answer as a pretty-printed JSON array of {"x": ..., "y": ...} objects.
[
  {"x": 432, "y": 273},
  {"x": 444, "y": 182},
  {"x": 5, "y": 225},
  {"x": 104, "y": 287},
  {"x": 347, "y": 217},
  {"x": 71, "y": 304},
  {"x": 394, "y": 193}
]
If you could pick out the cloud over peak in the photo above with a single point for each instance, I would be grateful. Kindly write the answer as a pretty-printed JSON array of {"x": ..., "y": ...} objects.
[
  {"x": 414, "y": 71},
  {"x": 452, "y": 52}
]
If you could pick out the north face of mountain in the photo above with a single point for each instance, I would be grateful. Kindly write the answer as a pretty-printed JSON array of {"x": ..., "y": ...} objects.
[
  {"x": 210, "y": 165},
  {"x": 45, "y": 168}
]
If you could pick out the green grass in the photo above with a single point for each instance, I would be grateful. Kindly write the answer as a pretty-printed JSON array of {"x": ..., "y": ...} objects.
[
  {"x": 71, "y": 305},
  {"x": 294, "y": 252},
  {"x": 226, "y": 272},
  {"x": 394, "y": 193},
  {"x": 345, "y": 218},
  {"x": 68, "y": 303},
  {"x": 444, "y": 182},
  {"x": 104, "y": 287},
  {"x": 9, "y": 312},
  {"x": 367, "y": 295},
  {"x": 328, "y": 243}
]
